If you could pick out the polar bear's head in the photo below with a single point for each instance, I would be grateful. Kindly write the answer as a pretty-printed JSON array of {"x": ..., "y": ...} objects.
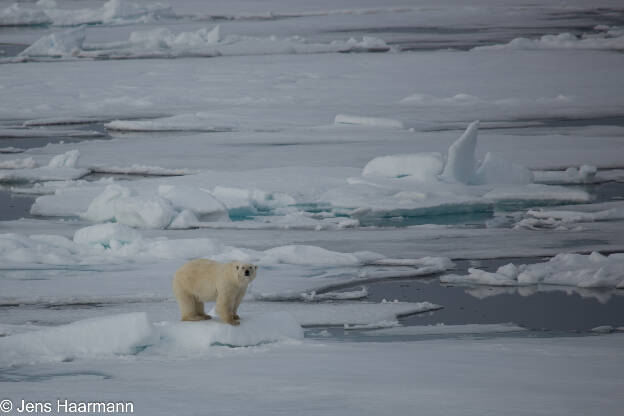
[{"x": 245, "y": 271}]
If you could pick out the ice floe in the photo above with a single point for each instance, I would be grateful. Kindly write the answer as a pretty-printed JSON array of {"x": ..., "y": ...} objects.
[
  {"x": 98, "y": 337},
  {"x": 609, "y": 38},
  {"x": 571, "y": 175},
  {"x": 115, "y": 243},
  {"x": 569, "y": 217},
  {"x": 61, "y": 167},
  {"x": 133, "y": 333},
  {"x": 181, "y": 122},
  {"x": 112, "y": 12},
  {"x": 592, "y": 270},
  {"x": 162, "y": 43},
  {"x": 26, "y": 163},
  {"x": 425, "y": 184}
]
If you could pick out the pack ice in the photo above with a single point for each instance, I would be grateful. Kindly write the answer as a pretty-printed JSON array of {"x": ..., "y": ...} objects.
[{"x": 592, "y": 270}]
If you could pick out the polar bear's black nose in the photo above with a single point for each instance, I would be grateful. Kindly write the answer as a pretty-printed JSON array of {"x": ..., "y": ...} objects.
[{"x": 246, "y": 272}]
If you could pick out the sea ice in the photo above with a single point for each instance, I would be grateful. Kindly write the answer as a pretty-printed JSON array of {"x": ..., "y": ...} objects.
[
  {"x": 592, "y": 270},
  {"x": 181, "y": 122},
  {"x": 610, "y": 39}
]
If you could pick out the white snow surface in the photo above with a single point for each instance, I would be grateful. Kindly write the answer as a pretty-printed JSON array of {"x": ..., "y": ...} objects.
[
  {"x": 111, "y": 12},
  {"x": 127, "y": 334},
  {"x": 589, "y": 271}
]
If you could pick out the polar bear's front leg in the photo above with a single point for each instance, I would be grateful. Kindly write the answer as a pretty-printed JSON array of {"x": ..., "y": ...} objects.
[
  {"x": 239, "y": 299},
  {"x": 225, "y": 308}
]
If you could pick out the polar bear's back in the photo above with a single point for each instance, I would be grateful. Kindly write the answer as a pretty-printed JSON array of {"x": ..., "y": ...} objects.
[{"x": 200, "y": 277}]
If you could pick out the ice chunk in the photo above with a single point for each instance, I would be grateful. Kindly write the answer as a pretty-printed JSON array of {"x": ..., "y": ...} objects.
[
  {"x": 608, "y": 40},
  {"x": 26, "y": 163},
  {"x": 108, "y": 235},
  {"x": 67, "y": 43},
  {"x": 198, "y": 200},
  {"x": 250, "y": 201},
  {"x": 593, "y": 270},
  {"x": 117, "y": 203},
  {"x": 603, "y": 329},
  {"x": 461, "y": 162},
  {"x": 253, "y": 330},
  {"x": 163, "y": 38},
  {"x": 310, "y": 255},
  {"x": 184, "y": 220},
  {"x": 496, "y": 170},
  {"x": 572, "y": 175},
  {"x": 97, "y": 337},
  {"x": 102, "y": 208},
  {"x": 65, "y": 160},
  {"x": 369, "y": 121},
  {"x": 141, "y": 212},
  {"x": 15, "y": 15},
  {"x": 419, "y": 166}
]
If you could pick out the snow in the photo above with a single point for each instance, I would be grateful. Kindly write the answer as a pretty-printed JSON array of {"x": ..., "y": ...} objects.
[
  {"x": 128, "y": 334},
  {"x": 592, "y": 270},
  {"x": 571, "y": 175},
  {"x": 97, "y": 337},
  {"x": 111, "y": 12},
  {"x": 419, "y": 166},
  {"x": 197, "y": 337},
  {"x": 60, "y": 167},
  {"x": 496, "y": 170},
  {"x": 26, "y": 163},
  {"x": 118, "y": 204},
  {"x": 65, "y": 160}
]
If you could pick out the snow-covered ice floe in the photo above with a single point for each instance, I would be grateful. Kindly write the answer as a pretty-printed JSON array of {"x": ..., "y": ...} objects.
[
  {"x": 607, "y": 38},
  {"x": 427, "y": 183},
  {"x": 182, "y": 122},
  {"x": 46, "y": 12},
  {"x": 569, "y": 217},
  {"x": 588, "y": 271},
  {"x": 114, "y": 243},
  {"x": 133, "y": 333},
  {"x": 162, "y": 43},
  {"x": 61, "y": 167}
]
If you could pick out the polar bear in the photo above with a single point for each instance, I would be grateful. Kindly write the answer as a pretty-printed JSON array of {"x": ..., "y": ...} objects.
[{"x": 203, "y": 280}]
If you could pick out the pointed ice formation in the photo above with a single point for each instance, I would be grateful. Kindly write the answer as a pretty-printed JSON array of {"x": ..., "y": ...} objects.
[{"x": 461, "y": 162}]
